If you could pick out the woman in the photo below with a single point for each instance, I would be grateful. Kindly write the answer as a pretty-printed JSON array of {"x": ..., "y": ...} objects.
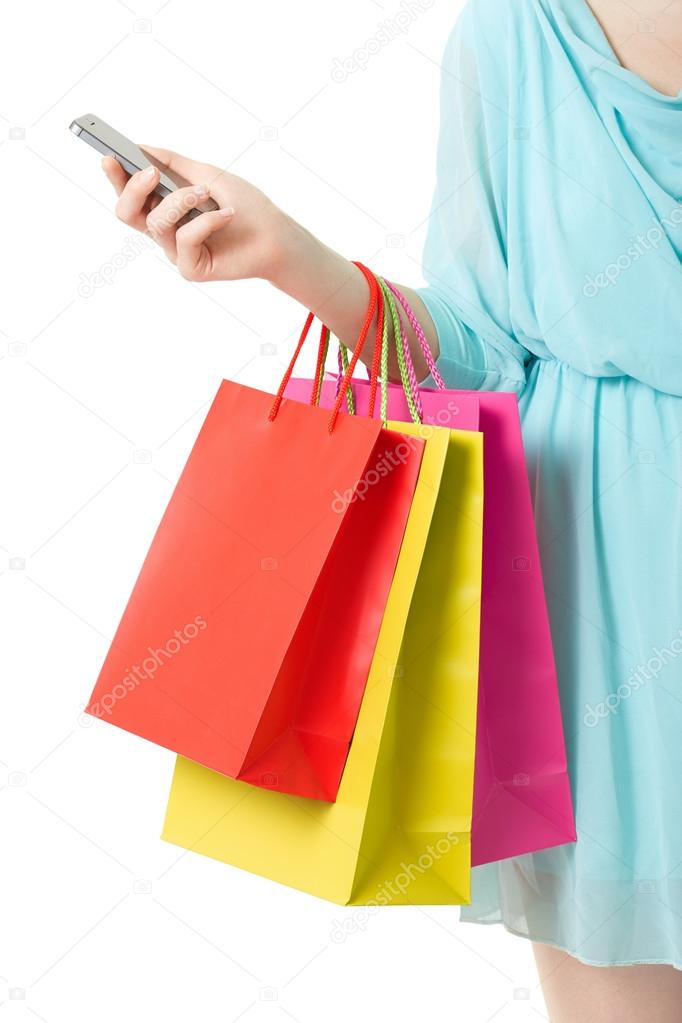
[{"x": 553, "y": 262}]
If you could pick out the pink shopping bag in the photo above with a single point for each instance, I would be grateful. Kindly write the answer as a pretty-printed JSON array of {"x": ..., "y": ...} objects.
[{"x": 522, "y": 798}]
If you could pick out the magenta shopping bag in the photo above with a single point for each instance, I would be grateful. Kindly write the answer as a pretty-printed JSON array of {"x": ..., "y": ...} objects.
[{"x": 522, "y": 798}]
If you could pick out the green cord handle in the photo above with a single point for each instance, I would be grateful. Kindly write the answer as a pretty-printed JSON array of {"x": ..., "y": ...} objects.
[
  {"x": 350, "y": 398},
  {"x": 410, "y": 397},
  {"x": 322, "y": 358},
  {"x": 407, "y": 382}
]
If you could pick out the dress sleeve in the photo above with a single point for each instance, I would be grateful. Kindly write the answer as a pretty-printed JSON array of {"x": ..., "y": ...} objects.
[{"x": 465, "y": 257}]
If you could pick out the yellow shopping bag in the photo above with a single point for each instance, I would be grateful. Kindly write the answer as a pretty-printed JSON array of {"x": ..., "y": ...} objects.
[{"x": 399, "y": 830}]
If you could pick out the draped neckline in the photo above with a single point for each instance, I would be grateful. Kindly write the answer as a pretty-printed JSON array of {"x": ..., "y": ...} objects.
[
  {"x": 583, "y": 34},
  {"x": 649, "y": 121}
]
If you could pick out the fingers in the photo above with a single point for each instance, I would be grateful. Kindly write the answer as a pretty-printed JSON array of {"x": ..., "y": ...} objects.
[
  {"x": 117, "y": 176},
  {"x": 140, "y": 208},
  {"x": 137, "y": 197},
  {"x": 162, "y": 223},
  {"x": 194, "y": 259},
  {"x": 133, "y": 200}
]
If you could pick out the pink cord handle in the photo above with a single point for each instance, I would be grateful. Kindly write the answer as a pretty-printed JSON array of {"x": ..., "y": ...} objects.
[
  {"x": 421, "y": 337},
  {"x": 409, "y": 364}
]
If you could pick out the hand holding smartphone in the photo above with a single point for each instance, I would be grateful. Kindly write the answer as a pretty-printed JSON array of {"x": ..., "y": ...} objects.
[
  {"x": 211, "y": 224},
  {"x": 106, "y": 140}
]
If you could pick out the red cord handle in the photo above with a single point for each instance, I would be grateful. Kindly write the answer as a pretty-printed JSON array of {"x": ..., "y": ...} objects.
[
  {"x": 375, "y": 301},
  {"x": 378, "y": 341},
  {"x": 376, "y": 360}
]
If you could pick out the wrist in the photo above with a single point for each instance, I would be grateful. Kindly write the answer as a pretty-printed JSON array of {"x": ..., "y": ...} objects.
[
  {"x": 291, "y": 254},
  {"x": 320, "y": 279},
  {"x": 310, "y": 272}
]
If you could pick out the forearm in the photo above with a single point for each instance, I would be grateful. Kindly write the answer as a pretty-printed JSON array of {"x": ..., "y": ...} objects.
[
  {"x": 249, "y": 236},
  {"x": 336, "y": 291}
]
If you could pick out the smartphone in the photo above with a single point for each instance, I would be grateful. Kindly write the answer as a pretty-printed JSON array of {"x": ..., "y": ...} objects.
[{"x": 107, "y": 140}]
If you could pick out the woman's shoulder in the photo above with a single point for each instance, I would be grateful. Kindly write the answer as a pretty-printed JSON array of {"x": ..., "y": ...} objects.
[
  {"x": 496, "y": 21},
  {"x": 495, "y": 31}
]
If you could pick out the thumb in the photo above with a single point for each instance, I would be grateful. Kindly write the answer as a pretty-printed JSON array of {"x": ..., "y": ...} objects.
[{"x": 194, "y": 173}]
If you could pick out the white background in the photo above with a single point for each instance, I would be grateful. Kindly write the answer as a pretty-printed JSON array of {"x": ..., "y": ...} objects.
[{"x": 100, "y": 398}]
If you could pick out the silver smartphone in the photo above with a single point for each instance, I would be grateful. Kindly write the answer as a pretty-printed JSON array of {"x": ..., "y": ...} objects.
[{"x": 106, "y": 140}]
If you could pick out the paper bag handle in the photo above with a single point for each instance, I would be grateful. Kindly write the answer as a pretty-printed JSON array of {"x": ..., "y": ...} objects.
[
  {"x": 373, "y": 371},
  {"x": 375, "y": 300},
  {"x": 421, "y": 337}
]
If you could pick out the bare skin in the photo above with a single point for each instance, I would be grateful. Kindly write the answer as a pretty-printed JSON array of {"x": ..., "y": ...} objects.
[
  {"x": 576, "y": 993},
  {"x": 646, "y": 36},
  {"x": 249, "y": 237}
]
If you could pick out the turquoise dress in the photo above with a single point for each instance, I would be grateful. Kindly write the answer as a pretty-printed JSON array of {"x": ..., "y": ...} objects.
[{"x": 553, "y": 270}]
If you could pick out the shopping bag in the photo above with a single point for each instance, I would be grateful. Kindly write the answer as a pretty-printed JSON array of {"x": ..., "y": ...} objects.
[
  {"x": 522, "y": 796},
  {"x": 247, "y": 640},
  {"x": 398, "y": 832}
]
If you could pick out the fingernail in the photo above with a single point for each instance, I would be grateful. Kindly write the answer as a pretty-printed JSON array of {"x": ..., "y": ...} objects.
[
  {"x": 227, "y": 212},
  {"x": 149, "y": 173},
  {"x": 201, "y": 189}
]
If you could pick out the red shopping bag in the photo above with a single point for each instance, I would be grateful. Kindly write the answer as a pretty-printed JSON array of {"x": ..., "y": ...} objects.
[{"x": 247, "y": 640}]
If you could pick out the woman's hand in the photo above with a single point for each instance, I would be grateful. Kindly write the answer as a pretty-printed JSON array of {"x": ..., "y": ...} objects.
[
  {"x": 248, "y": 236},
  {"x": 244, "y": 238}
]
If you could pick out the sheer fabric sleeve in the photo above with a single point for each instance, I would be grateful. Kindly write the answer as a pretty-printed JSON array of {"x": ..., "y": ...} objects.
[{"x": 465, "y": 257}]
